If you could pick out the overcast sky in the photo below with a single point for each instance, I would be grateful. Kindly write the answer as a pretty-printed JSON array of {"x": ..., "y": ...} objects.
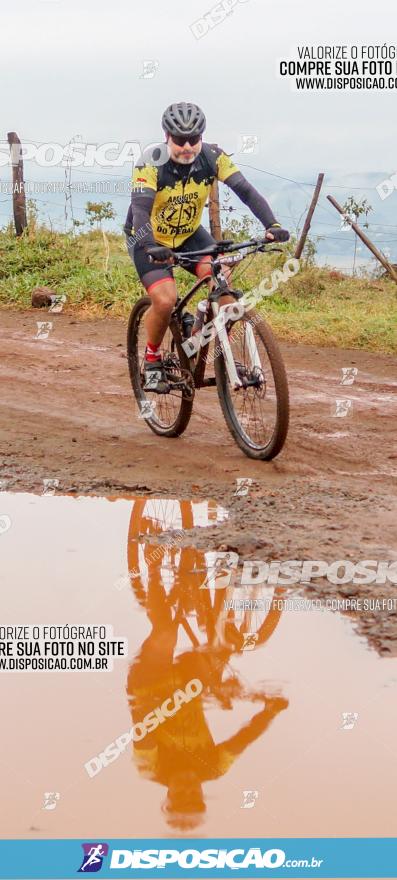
[{"x": 74, "y": 67}]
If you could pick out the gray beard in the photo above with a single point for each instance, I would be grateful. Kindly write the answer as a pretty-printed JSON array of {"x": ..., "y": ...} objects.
[{"x": 182, "y": 161}]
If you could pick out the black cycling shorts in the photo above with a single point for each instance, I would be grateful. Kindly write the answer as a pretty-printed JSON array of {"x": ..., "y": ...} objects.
[{"x": 150, "y": 273}]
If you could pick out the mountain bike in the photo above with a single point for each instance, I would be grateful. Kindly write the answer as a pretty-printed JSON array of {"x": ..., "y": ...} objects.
[
  {"x": 249, "y": 372},
  {"x": 185, "y": 580}
]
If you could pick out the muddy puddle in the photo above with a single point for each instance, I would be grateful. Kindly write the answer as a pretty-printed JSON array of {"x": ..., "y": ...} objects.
[{"x": 245, "y": 723}]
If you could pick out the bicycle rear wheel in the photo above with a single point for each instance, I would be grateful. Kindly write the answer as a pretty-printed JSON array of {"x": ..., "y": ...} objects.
[
  {"x": 257, "y": 415},
  {"x": 166, "y": 414},
  {"x": 239, "y": 623}
]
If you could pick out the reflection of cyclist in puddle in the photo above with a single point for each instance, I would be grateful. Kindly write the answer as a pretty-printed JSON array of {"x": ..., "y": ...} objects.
[{"x": 181, "y": 753}]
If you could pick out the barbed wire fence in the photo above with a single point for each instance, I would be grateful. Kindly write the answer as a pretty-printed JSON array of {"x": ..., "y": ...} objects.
[{"x": 319, "y": 231}]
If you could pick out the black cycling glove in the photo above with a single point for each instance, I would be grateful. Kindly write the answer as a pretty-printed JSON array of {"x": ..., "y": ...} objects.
[
  {"x": 279, "y": 233},
  {"x": 159, "y": 253}
]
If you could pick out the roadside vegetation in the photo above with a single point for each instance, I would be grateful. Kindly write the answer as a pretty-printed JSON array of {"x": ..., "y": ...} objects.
[{"x": 318, "y": 306}]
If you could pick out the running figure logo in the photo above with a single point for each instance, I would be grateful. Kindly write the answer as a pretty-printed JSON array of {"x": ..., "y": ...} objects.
[
  {"x": 50, "y": 800},
  {"x": 250, "y": 798},
  {"x": 94, "y": 854},
  {"x": 220, "y": 570}
]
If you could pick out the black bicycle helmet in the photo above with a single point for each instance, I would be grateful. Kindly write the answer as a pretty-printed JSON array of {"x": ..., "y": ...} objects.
[{"x": 182, "y": 118}]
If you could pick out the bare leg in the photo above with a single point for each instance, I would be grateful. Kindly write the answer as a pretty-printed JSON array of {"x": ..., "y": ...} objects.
[
  {"x": 163, "y": 296},
  {"x": 203, "y": 270}
]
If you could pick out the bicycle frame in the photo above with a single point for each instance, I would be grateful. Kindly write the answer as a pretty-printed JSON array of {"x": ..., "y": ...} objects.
[
  {"x": 212, "y": 313},
  {"x": 247, "y": 365},
  {"x": 197, "y": 369}
]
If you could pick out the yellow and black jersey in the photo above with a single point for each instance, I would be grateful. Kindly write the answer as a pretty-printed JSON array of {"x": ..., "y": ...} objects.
[{"x": 167, "y": 200}]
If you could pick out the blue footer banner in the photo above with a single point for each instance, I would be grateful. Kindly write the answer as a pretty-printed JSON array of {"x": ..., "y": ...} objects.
[{"x": 223, "y": 857}]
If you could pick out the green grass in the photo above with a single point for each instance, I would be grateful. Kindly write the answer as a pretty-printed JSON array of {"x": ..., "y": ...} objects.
[
  {"x": 75, "y": 266},
  {"x": 318, "y": 306},
  {"x": 321, "y": 308}
]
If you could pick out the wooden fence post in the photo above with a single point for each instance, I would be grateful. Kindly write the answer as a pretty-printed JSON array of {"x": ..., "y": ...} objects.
[
  {"x": 18, "y": 187},
  {"x": 306, "y": 225},
  {"x": 214, "y": 210},
  {"x": 364, "y": 238}
]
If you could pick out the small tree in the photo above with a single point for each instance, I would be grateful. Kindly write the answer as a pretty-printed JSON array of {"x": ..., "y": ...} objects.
[
  {"x": 310, "y": 249},
  {"x": 32, "y": 212},
  {"x": 99, "y": 211},
  {"x": 238, "y": 229},
  {"x": 356, "y": 210}
]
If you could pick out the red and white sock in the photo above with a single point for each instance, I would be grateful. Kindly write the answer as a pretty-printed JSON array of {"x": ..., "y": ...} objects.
[{"x": 153, "y": 352}]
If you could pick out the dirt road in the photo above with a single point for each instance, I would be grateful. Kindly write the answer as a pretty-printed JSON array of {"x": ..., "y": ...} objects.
[{"x": 67, "y": 413}]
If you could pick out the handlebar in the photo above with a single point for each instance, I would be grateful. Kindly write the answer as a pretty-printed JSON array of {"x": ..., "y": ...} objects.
[
  {"x": 224, "y": 247},
  {"x": 214, "y": 250}
]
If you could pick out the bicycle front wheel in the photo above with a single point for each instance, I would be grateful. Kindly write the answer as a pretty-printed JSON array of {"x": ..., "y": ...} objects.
[
  {"x": 166, "y": 414},
  {"x": 257, "y": 414}
]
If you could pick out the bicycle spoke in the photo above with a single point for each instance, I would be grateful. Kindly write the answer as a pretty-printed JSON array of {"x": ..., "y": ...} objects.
[
  {"x": 255, "y": 406},
  {"x": 164, "y": 408}
]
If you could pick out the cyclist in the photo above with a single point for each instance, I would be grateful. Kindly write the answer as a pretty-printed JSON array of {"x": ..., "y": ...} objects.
[
  {"x": 181, "y": 753},
  {"x": 167, "y": 203}
]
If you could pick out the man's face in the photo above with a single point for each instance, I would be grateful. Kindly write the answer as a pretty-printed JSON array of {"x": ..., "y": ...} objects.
[{"x": 184, "y": 154}]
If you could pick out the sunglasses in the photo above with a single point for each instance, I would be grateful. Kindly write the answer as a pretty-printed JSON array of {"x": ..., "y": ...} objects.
[{"x": 180, "y": 140}]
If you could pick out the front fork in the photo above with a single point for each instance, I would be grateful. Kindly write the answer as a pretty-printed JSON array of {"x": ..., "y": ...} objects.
[
  {"x": 220, "y": 325},
  {"x": 220, "y": 318}
]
